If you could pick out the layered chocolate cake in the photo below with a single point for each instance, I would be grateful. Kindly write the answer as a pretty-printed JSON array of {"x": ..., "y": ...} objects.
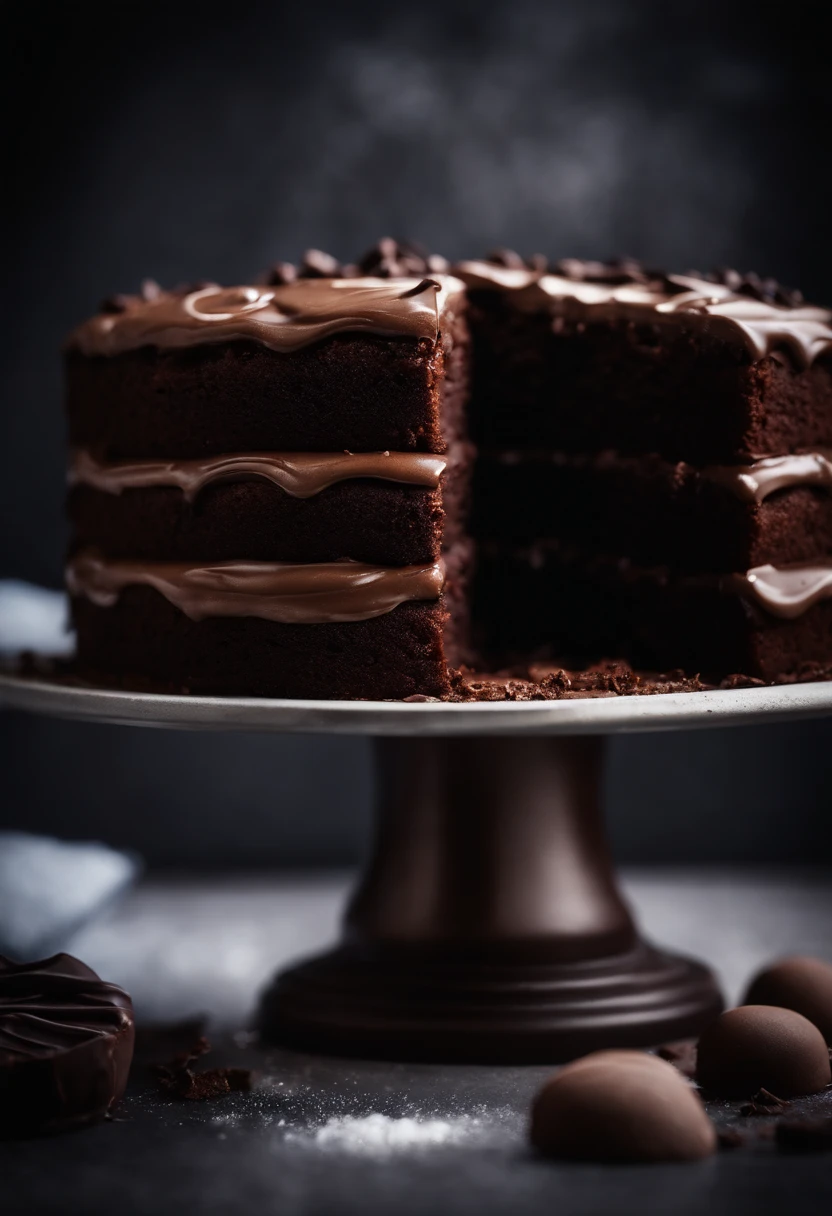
[
  {"x": 270, "y": 484},
  {"x": 654, "y": 473}
]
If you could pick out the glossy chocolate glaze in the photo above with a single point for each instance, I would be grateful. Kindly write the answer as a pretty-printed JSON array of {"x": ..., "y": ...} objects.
[
  {"x": 283, "y": 317},
  {"x": 66, "y": 1042},
  {"x": 785, "y": 591},
  {"x": 309, "y": 594},
  {"x": 301, "y": 474},
  {"x": 756, "y": 481},
  {"x": 676, "y": 300}
]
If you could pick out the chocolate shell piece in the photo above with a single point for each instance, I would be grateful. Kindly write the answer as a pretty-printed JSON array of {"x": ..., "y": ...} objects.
[
  {"x": 620, "y": 1106},
  {"x": 66, "y": 1042},
  {"x": 798, "y": 983},
  {"x": 762, "y": 1047}
]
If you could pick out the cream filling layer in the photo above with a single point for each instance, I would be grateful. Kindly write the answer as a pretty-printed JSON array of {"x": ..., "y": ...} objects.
[
  {"x": 287, "y": 593},
  {"x": 301, "y": 474}
]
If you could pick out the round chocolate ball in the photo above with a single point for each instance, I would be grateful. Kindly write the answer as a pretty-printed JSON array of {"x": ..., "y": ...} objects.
[
  {"x": 762, "y": 1047},
  {"x": 620, "y": 1106},
  {"x": 798, "y": 983}
]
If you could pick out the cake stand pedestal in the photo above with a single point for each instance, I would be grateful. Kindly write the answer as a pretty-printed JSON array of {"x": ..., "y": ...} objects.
[{"x": 488, "y": 926}]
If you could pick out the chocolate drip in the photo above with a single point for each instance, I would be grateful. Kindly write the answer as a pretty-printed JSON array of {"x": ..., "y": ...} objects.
[
  {"x": 784, "y": 591},
  {"x": 755, "y": 482},
  {"x": 301, "y": 474},
  {"x": 758, "y": 325},
  {"x": 281, "y": 317},
  {"x": 309, "y": 594}
]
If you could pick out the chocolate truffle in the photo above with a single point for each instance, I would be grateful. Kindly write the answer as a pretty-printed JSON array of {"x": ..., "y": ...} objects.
[
  {"x": 620, "y": 1106},
  {"x": 762, "y": 1047},
  {"x": 801, "y": 984},
  {"x": 66, "y": 1042}
]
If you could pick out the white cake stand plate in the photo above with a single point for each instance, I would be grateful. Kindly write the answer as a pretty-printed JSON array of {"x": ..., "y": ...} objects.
[{"x": 488, "y": 925}]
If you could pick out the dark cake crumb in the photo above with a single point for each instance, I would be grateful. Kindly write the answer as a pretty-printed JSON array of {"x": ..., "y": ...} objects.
[
  {"x": 180, "y": 1080},
  {"x": 764, "y": 1104}
]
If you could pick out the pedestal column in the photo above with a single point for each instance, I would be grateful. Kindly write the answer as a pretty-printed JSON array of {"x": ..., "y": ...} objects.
[{"x": 488, "y": 925}]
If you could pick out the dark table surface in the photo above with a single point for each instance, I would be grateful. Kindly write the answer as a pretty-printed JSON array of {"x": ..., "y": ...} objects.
[{"x": 340, "y": 1137}]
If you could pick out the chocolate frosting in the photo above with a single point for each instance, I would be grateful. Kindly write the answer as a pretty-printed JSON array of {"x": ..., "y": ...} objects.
[
  {"x": 758, "y": 325},
  {"x": 283, "y": 317},
  {"x": 301, "y": 474},
  {"x": 66, "y": 1043},
  {"x": 308, "y": 594},
  {"x": 784, "y": 591},
  {"x": 54, "y": 1005},
  {"x": 755, "y": 482}
]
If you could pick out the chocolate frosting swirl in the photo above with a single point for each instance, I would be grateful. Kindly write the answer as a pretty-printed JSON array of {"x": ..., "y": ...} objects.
[
  {"x": 756, "y": 481},
  {"x": 758, "y": 325},
  {"x": 784, "y": 591},
  {"x": 55, "y": 1004},
  {"x": 301, "y": 474},
  {"x": 282, "y": 317},
  {"x": 287, "y": 593}
]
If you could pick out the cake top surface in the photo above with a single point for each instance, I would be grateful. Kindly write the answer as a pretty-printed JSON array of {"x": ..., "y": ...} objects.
[
  {"x": 757, "y": 313},
  {"x": 280, "y": 315}
]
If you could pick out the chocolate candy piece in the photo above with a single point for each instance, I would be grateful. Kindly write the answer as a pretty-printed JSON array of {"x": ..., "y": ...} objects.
[
  {"x": 620, "y": 1106},
  {"x": 801, "y": 984},
  {"x": 762, "y": 1047},
  {"x": 66, "y": 1042}
]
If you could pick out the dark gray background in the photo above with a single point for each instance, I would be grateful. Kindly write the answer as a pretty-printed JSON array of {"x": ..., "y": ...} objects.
[{"x": 185, "y": 140}]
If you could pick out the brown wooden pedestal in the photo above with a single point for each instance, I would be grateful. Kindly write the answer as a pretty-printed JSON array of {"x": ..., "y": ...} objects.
[{"x": 488, "y": 926}]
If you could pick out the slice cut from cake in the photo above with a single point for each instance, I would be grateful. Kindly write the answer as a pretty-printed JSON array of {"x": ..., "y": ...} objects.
[
  {"x": 654, "y": 480},
  {"x": 268, "y": 486}
]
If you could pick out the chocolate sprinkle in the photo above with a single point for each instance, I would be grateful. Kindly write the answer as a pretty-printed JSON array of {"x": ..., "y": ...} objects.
[
  {"x": 768, "y": 291},
  {"x": 392, "y": 259}
]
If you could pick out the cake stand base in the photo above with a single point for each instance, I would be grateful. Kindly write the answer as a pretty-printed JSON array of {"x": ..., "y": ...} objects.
[{"x": 488, "y": 927}]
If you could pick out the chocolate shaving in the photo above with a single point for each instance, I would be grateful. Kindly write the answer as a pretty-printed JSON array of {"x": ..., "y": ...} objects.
[
  {"x": 280, "y": 274},
  {"x": 729, "y": 1138},
  {"x": 768, "y": 291},
  {"x": 805, "y": 1135},
  {"x": 316, "y": 264},
  {"x": 392, "y": 259},
  {"x": 764, "y": 1104},
  {"x": 121, "y": 301},
  {"x": 180, "y": 1080}
]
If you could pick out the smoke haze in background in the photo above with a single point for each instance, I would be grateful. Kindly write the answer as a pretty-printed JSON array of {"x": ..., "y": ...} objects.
[{"x": 184, "y": 141}]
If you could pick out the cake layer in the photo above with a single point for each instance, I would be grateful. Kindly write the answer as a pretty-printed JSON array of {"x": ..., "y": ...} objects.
[
  {"x": 682, "y": 367},
  {"x": 717, "y": 519},
  {"x": 140, "y": 635},
  {"x": 394, "y": 376},
  {"x": 204, "y": 516},
  {"x": 766, "y": 623},
  {"x": 143, "y": 641}
]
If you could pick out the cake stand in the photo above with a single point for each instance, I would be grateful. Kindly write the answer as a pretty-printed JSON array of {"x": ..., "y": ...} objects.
[{"x": 488, "y": 925}]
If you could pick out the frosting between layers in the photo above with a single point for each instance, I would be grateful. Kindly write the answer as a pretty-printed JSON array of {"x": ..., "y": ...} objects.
[
  {"x": 784, "y": 591},
  {"x": 287, "y": 593},
  {"x": 756, "y": 481},
  {"x": 301, "y": 474},
  {"x": 284, "y": 317},
  {"x": 712, "y": 308}
]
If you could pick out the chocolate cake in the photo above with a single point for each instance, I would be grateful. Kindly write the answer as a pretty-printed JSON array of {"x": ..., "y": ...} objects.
[{"x": 270, "y": 484}]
